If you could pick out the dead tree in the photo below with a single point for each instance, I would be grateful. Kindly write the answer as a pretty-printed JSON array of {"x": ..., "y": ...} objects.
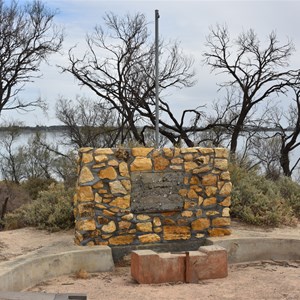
[
  {"x": 255, "y": 73},
  {"x": 27, "y": 37},
  {"x": 119, "y": 68}
]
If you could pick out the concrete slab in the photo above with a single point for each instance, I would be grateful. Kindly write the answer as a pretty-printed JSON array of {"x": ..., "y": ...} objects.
[
  {"x": 40, "y": 296},
  {"x": 27, "y": 271},
  {"x": 258, "y": 248}
]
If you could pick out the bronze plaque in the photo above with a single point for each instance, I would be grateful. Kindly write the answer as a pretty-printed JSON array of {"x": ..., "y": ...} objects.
[{"x": 156, "y": 191}]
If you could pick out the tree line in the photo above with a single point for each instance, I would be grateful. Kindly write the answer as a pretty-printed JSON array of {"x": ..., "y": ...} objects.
[{"x": 259, "y": 89}]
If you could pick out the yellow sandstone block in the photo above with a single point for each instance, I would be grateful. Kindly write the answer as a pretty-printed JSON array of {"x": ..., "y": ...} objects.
[
  {"x": 176, "y": 167},
  {"x": 108, "y": 173},
  {"x": 188, "y": 157},
  {"x": 206, "y": 151},
  {"x": 85, "y": 193},
  {"x": 116, "y": 187},
  {"x": 187, "y": 213},
  {"x": 226, "y": 212},
  {"x": 225, "y": 176},
  {"x": 149, "y": 238},
  {"x": 101, "y": 158},
  {"x": 190, "y": 165},
  {"x": 194, "y": 180},
  {"x": 221, "y": 164},
  {"x": 168, "y": 152},
  {"x": 188, "y": 150},
  {"x": 226, "y": 201},
  {"x": 98, "y": 198},
  {"x": 141, "y": 151},
  {"x": 176, "y": 232},
  {"x": 160, "y": 163},
  {"x": 86, "y": 225},
  {"x": 108, "y": 213},
  {"x": 219, "y": 222},
  {"x": 219, "y": 232},
  {"x": 121, "y": 202},
  {"x": 141, "y": 164},
  {"x": 226, "y": 189},
  {"x": 123, "y": 169},
  {"x": 87, "y": 158},
  {"x": 127, "y": 217},
  {"x": 182, "y": 192},
  {"x": 143, "y": 217},
  {"x": 177, "y": 161},
  {"x": 192, "y": 194},
  {"x": 124, "y": 225},
  {"x": 85, "y": 149},
  {"x": 113, "y": 163},
  {"x": 157, "y": 229},
  {"x": 202, "y": 169},
  {"x": 85, "y": 175},
  {"x": 221, "y": 153},
  {"x": 127, "y": 184},
  {"x": 188, "y": 204},
  {"x": 109, "y": 228},
  {"x": 210, "y": 201},
  {"x": 144, "y": 227},
  {"x": 121, "y": 240},
  {"x": 156, "y": 221},
  {"x": 105, "y": 151},
  {"x": 210, "y": 191},
  {"x": 209, "y": 179},
  {"x": 200, "y": 224}
]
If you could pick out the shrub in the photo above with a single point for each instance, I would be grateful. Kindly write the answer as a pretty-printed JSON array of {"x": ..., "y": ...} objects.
[
  {"x": 290, "y": 192},
  {"x": 52, "y": 210},
  {"x": 12, "y": 196},
  {"x": 260, "y": 201},
  {"x": 35, "y": 185}
]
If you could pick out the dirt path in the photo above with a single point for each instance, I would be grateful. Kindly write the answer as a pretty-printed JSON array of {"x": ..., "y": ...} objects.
[{"x": 256, "y": 281}]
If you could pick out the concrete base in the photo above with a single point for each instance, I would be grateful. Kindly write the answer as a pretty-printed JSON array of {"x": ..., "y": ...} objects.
[
  {"x": 119, "y": 252},
  {"x": 258, "y": 248},
  {"x": 28, "y": 271}
]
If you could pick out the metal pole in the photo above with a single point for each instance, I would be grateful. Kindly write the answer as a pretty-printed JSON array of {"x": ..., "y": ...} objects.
[{"x": 156, "y": 81}]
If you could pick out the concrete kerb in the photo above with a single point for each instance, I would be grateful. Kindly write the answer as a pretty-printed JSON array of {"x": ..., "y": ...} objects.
[
  {"x": 258, "y": 248},
  {"x": 25, "y": 272}
]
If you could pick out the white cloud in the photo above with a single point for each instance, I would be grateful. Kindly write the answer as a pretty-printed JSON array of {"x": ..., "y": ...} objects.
[{"x": 186, "y": 21}]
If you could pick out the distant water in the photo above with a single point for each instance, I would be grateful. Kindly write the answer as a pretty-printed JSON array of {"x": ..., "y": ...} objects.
[{"x": 54, "y": 137}]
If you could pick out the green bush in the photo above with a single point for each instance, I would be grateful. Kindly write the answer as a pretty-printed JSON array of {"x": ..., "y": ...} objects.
[
  {"x": 35, "y": 185},
  {"x": 52, "y": 210},
  {"x": 290, "y": 191},
  {"x": 260, "y": 201}
]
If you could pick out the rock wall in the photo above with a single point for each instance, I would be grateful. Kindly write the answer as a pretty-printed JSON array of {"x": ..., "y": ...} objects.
[{"x": 146, "y": 195}]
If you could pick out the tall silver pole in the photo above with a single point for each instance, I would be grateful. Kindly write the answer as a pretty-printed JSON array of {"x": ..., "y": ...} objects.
[{"x": 156, "y": 81}]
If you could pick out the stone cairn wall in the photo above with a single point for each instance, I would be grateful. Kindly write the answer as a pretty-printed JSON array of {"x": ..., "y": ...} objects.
[{"x": 105, "y": 190}]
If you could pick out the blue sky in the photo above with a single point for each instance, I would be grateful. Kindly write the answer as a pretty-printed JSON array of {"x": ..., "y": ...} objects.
[{"x": 185, "y": 21}]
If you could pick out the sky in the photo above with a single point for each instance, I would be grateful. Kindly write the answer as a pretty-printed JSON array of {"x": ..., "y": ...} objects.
[{"x": 184, "y": 21}]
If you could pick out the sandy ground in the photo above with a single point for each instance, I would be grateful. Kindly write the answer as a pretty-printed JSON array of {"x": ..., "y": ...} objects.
[{"x": 256, "y": 280}]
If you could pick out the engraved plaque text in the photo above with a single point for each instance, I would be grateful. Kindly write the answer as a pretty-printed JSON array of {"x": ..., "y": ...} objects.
[{"x": 156, "y": 192}]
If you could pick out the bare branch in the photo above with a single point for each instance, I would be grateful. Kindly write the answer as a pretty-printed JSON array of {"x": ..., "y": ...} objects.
[{"x": 27, "y": 37}]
